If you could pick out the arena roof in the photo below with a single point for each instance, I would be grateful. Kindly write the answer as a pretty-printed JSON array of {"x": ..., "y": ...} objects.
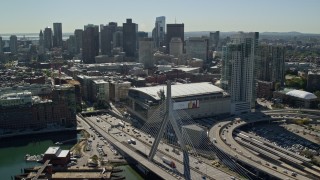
[
  {"x": 181, "y": 90},
  {"x": 301, "y": 94}
]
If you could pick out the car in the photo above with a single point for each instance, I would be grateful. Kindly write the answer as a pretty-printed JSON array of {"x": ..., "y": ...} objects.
[
  {"x": 167, "y": 149},
  {"x": 197, "y": 167}
]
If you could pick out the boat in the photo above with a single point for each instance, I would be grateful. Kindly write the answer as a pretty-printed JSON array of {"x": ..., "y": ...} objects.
[
  {"x": 33, "y": 158},
  {"x": 58, "y": 143}
]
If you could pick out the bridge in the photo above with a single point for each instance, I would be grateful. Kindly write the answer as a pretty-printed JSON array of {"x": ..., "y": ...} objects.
[
  {"x": 163, "y": 141},
  {"x": 165, "y": 148}
]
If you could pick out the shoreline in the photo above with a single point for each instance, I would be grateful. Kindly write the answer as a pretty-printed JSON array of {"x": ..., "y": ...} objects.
[{"x": 47, "y": 131}]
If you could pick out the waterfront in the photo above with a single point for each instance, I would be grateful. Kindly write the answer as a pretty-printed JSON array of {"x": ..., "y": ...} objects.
[{"x": 13, "y": 151}]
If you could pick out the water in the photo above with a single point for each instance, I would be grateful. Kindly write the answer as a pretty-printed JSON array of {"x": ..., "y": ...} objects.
[
  {"x": 129, "y": 173},
  {"x": 13, "y": 151}
]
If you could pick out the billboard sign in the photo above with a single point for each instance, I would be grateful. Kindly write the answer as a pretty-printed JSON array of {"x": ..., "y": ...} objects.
[{"x": 186, "y": 105}]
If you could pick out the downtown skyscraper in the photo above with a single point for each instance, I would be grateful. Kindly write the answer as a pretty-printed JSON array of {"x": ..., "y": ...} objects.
[
  {"x": 159, "y": 31},
  {"x": 78, "y": 34},
  {"x": 47, "y": 34},
  {"x": 174, "y": 31},
  {"x": 57, "y": 34},
  {"x": 239, "y": 70},
  {"x": 13, "y": 44},
  {"x": 130, "y": 38},
  {"x": 90, "y": 43},
  {"x": 106, "y": 38},
  {"x": 41, "y": 43}
]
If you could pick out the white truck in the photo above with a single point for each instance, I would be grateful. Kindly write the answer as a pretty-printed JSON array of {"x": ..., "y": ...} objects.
[{"x": 168, "y": 162}]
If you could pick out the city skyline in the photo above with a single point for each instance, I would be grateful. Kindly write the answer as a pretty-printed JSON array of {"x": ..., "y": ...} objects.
[{"x": 249, "y": 15}]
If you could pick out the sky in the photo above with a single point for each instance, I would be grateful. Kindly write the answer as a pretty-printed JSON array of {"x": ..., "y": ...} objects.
[{"x": 29, "y": 16}]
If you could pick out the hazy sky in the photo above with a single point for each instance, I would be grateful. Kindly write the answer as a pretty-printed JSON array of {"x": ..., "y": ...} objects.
[{"x": 23, "y": 16}]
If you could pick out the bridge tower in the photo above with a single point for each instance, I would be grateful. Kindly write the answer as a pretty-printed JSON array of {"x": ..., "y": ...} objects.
[{"x": 168, "y": 118}]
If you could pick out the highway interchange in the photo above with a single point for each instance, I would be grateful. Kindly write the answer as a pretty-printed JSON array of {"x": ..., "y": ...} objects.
[
  {"x": 232, "y": 142},
  {"x": 242, "y": 147}
]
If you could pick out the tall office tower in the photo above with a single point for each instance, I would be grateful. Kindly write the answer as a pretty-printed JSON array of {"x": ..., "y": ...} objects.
[
  {"x": 197, "y": 47},
  {"x": 146, "y": 52},
  {"x": 13, "y": 44},
  {"x": 90, "y": 43},
  {"x": 130, "y": 38},
  {"x": 57, "y": 34},
  {"x": 176, "y": 47},
  {"x": 238, "y": 70},
  {"x": 47, "y": 38},
  {"x": 118, "y": 39},
  {"x": 1, "y": 45},
  {"x": 174, "y": 30},
  {"x": 159, "y": 31},
  {"x": 214, "y": 40},
  {"x": 71, "y": 44},
  {"x": 270, "y": 65},
  {"x": 106, "y": 39},
  {"x": 41, "y": 43},
  {"x": 78, "y": 33}
]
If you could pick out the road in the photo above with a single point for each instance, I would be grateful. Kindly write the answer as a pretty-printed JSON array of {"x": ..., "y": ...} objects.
[
  {"x": 144, "y": 146},
  {"x": 226, "y": 143}
]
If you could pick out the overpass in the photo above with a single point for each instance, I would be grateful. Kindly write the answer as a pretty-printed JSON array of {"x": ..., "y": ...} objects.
[{"x": 223, "y": 131}]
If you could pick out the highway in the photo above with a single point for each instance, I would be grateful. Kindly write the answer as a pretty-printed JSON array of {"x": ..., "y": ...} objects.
[
  {"x": 157, "y": 170},
  {"x": 143, "y": 146},
  {"x": 231, "y": 146},
  {"x": 242, "y": 154}
]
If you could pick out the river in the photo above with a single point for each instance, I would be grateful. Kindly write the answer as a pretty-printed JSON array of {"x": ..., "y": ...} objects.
[{"x": 13, "y": 151}]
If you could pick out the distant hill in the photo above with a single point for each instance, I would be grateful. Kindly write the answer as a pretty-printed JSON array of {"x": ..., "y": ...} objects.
[{"x": 263, "y": 34}]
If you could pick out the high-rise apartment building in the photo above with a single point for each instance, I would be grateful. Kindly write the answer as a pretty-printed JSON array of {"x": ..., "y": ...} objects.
[
  {"x": 130, "y": 38},
  {"x": 214, "y": 39},
  {"x": 146, "y": 52},
  {"x": 239, "y": 71},
  {"x": 197, "y": 47},
  {"x": 90, "y": 43},
  {"x": 57, "y": 34},
  {"x": 47, "y": 34},
  {"x": 270, "y": 65},
  {"x": 174, "y": 30},
  {"x": 13, "y": 44},
  {"x": 106, "y": 37},
  {"x": 159, "y": 31},
  {"x": 78, "y": 33}
]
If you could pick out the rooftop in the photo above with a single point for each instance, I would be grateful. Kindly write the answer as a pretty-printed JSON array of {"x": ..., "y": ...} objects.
[
  {"x": 52, "y": 150},
  {"x": 181, "y": 90},
  {"x": 63, "y": 153},
  {"x": 301, "y": 94}
]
